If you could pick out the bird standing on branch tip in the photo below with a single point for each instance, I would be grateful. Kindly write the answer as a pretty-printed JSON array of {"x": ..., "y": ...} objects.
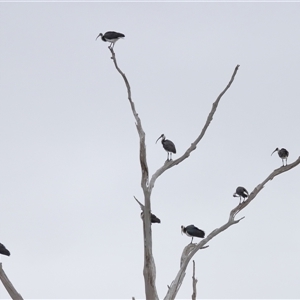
[
  {"x": 283, "y": 154},
  {"x": 3, "y": 250},
  {"x": 192, "y": 231},
  {"x": 111, "y": 37},
  {"x": 154, "y": 218},
  {"x": 168, "y": 146},
  {"x": 241, "y": 192}
]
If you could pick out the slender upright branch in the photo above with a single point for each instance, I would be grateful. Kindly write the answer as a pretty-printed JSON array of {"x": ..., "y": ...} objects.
[
  {"x": 172, "y": 163},
  {"x": 143, "y": 157},
  {"x": 175, "y": 286},
  {"x": 8, "y": 285},
  {"x": 194, "y": 295},
  {"x": 149, "y": 264}
]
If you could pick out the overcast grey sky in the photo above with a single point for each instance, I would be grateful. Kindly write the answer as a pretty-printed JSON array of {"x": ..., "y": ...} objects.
[{"x": 69, "y": 146}]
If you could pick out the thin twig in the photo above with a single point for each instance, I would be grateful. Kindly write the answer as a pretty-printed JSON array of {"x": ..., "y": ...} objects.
[{"x": 140, "y": 204}]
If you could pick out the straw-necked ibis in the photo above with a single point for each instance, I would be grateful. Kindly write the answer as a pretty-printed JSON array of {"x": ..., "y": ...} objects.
[
  {"x": 3, "y": 250},
  {"x": 111, "y": 37},
  {"x": 192, "y": 231},
  {"x": 154, "y": 218},
  {"x": 241, "y": 192},
  {"x": 168, "y": 146},
  {"x": 283, "y": 154}
]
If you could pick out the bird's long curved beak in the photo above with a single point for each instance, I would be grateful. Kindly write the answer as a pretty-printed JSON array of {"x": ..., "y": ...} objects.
[
  {"x": 97, "y": 36},
  {"x": 273, "y": 151},
  {"x": 158, "y": 139}
]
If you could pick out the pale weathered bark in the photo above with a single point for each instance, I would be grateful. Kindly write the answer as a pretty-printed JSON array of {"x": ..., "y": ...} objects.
[{"x": 8, "y": 285}]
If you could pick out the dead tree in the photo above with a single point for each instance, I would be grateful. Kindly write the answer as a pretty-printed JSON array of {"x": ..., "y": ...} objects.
[{"x": 148, "y": 183}]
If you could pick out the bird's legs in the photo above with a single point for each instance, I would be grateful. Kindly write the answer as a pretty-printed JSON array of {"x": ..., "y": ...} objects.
[
  {"x": 169, "y": 156},
  {"x": 191, "y": 240},
  {"x": 111, "y": 46}
]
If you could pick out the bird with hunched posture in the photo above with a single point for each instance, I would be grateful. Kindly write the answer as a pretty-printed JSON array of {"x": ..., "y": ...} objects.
[
  {"x": 192, "y": 231},
  {"x": 241, "y": 192},
  {"x": 3, "y": 250},
  {"x": 154, "y": 218},
  {"x": 283, "y": 154},
  {"x": 111, "y": 37},
  {"x": 168, "y": 146}
]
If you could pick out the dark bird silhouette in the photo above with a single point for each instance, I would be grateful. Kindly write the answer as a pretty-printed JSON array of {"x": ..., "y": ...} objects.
[
  {"x": 283, "y": 154},
  {"x": 168, "y": 146},
  {"x": 192, "y": 231},
  {"x": 154, "y": 218},
  {"x": 241, "y": 192},
  {"x": 3, "y": 250},
  {"x": 111, "y": 37}
]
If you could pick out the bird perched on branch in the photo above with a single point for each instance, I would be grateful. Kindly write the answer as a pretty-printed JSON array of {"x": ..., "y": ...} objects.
[
  {"x": 241, "y": 192},
  {"x": 111, "y": 37},
  {"x": 154, "y": 218},
  {"x": 168, "y": 146},
  {"x": 192, "y": 231},
  {"x": 3, "y": 250},
  {"x": 283, "y": 154}
]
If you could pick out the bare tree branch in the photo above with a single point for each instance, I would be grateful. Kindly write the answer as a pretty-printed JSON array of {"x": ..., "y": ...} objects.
[
  {"x": 194, "y": 295},
  {"x": 149, "y": 264},
  {"x": 254, "y": 193},
  {"x": 187, "y": 250},
  {"x": 171, "y": 163},
  {"x": 142, "y": 206},
  {"x": 143, "y": 158},
  {"x": 8, "y": 285},
  {"x": 175, "y": 286}
]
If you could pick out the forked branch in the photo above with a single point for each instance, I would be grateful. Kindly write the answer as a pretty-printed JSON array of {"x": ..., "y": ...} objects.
[
  {"x": 190, "y": 251},
  {"x": 172, "y": 163}
]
